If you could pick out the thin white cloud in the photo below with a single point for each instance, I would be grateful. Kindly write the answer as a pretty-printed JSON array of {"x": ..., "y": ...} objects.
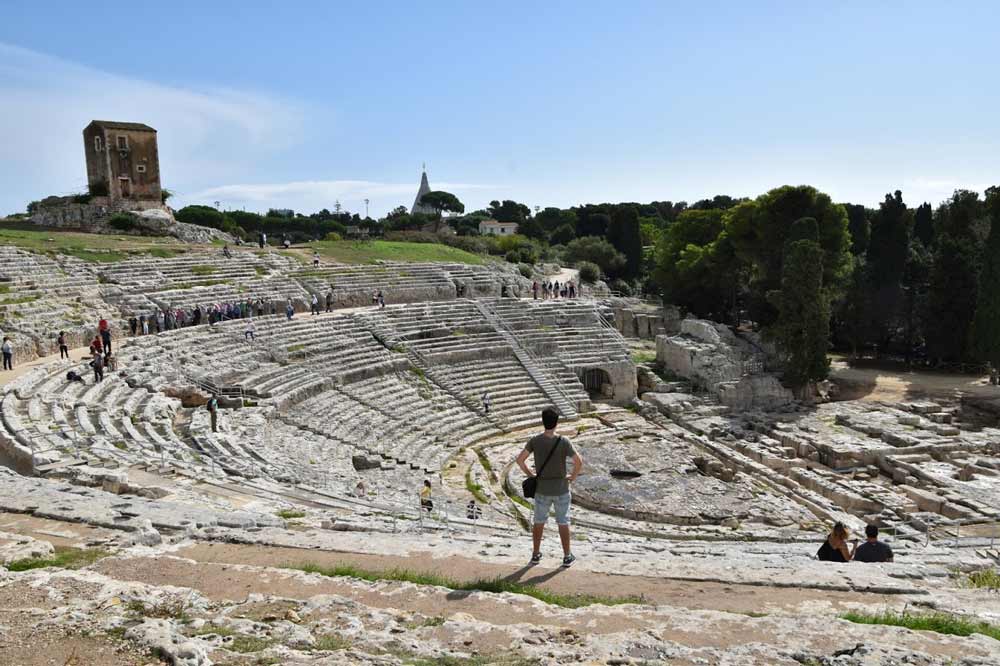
[
  {"x": 936, "y": 190},
  {"x": 47, "y": 102}
]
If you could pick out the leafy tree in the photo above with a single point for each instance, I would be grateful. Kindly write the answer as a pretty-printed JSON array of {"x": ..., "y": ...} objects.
[
  {"x": 442, "y": 202},
  {"x": 509, "y": 211},
  {"x": 759, "y": 229},
  {"x": 914, "y": 284},
  {"x": 888, "y": 251},
  {"x": 595, "y": 250},
  {"x": 953, "y": 289},
  {"x": 718, "y": 202},
  {"x": 532, "y": 228},
  {"x": 688, "y": 263},
  {"x": 987, "y": 322},
  {"x": 555, "y": 218},
  {"x": 589, "y": 272},
  {"x": 803, "y": 326},
  {"x": 852, "y": 319},
  {"x": 625, "y": 235},
  {"x": 951, "y": 298},
  {"x": 562, "y": 235},
  {"x": 859, "y": 226},
  {"x": 923, "y": 224},
  {"x": 592, "y": 223}
]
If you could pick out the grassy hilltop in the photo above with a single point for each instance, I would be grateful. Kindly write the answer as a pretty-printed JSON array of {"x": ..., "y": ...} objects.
[{"x": 109, "y": 248}]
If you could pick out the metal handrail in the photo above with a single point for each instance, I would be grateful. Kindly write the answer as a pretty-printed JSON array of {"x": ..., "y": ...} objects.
[{"x": 527, "y": 350}]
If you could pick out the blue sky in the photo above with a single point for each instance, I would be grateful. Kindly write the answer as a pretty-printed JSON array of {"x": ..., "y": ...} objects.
[{"x": 304, "y": 103}]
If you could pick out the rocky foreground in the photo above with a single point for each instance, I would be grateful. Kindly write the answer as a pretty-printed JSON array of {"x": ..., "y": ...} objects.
[{"x": 232, "y": 589}]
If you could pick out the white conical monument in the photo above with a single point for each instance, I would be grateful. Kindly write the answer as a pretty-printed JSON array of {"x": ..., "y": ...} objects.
[{"x": 424, "y": 189}]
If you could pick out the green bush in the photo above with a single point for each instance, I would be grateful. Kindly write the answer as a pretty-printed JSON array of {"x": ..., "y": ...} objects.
[
  {"x": 621, "y": 286},
  {"x": 82, "y": 198},
  {"x": 121, "y": 221},
  {"x": 589, "y": 272},
  {"x": 333, "y": 236},
  {"x": 526, "y": 270}
]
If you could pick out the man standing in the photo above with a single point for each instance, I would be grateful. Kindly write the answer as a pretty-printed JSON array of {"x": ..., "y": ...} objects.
[
  {"x": 248, "y": 332},
  {"x": 315, "y": 305},
  {"x": 550, "y": 454},
  {"x": 8, "y": 354},
  {"x": 873, "y": 550},
  {"x": 329, "y": 301},
  {"x": 105, "y": 329},
  {"x": 487, "y": 401},
  {"x": 213, "y": 410},
  {"x": 98, "y": 364}
]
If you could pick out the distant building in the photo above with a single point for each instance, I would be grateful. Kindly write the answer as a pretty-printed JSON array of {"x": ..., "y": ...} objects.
[
  {"x": 494, "y": 228},
  {"x": 122, "y": 161},
  {"x": 424, "y": 189},
  {"x": 354, "y": 231}
]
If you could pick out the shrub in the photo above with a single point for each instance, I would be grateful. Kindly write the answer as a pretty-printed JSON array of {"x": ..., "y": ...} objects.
[
  {"x": 526, "y": 270},
  {"x": 82, "y": 198},
  {"x": 165, "y": 194},
  {"x": 121, "y": 221},
  {"x": 596, "y": 250},
  {"x": 621, "y": 286},
  {"x": 589, "y": 272},
  {"x": 333, "y": 236}
]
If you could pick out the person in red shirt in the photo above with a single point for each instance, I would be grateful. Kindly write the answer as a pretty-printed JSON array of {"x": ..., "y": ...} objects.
[{"x": 102, "y": 325}]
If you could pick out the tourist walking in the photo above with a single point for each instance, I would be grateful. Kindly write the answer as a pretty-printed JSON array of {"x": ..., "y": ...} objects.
[
  {"x": 314, "y": 308},
  {"x": 487, "y": 402},
  {"x": 534, "y": 289},
  {"x": 329, "y": 301},
  {"x": 97, "y": 363},
  {"x": 262, "y": 239},
  {"x": 144, "y": 324},
  {"x": 104, "y": 328},
  {"x": 248, "y": 332},
  {"x": 315, "y": 259},
  {"x": 133, "y": 325},
  {"x": 873, "y": 550},
  {"x": 572, "y": 289},
  {"x": 289, "y": 310},
  {"x": 380, "y": 299},
  {"x": 111, "y": 362},
  {"x": 63, "y": 347},
  {"x": 213, "y": 411},
  {"x": 834, "y": 549},
  {"x": 549, "y": 484},
  {"x": 226, "y": 252},
  {"x": 8, "y": 353}
]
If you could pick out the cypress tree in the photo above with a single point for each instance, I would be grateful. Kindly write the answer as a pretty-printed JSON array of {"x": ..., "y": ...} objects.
[
  {"x": 987, "y": 323},
  {"x": 803, "y": 326}
]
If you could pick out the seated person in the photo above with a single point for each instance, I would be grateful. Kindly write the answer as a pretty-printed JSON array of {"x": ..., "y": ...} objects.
[
  {"x": 873, "y": 550},
  {"x": 71, "y": 376},
  {"x": 834, "y": 549},
  {"x": 426, "y": 502},
  {"x": 111, "y": 362}
]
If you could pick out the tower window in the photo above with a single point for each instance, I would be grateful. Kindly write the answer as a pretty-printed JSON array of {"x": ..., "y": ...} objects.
[
  {"x": 122, "y": 143},
  {"x": 141, "y": 168},
  {"x": 97, "y": 144}
]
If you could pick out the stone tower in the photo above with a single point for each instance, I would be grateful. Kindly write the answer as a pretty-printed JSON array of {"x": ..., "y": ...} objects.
[
  {"x": 123, "y": 162},
  {"x": 424, "y": 189}
]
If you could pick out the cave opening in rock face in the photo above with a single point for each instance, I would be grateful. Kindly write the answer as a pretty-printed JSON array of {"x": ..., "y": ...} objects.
[{"x": 595, "y": 380}]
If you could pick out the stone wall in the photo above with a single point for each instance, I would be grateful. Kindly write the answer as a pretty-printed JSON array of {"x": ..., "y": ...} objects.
[
  {"x": 714, "y": 358},
  {"x": 635, "y": 319},
  {"x": 150, "y": 218}
]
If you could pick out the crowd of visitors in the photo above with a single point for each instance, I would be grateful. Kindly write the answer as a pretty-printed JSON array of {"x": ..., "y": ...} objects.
[{"x": 553, "y": 289}]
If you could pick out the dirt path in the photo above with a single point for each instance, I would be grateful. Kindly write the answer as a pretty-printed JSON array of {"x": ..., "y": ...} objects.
[
  {"x": 684, "y": 594},
  {"x": 896, "y": 386},
  {"x": 7, "y": 376}
]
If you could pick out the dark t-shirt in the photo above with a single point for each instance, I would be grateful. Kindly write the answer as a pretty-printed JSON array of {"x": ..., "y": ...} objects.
[
  {"x": 873, "y": 552},
  {"x": 552, "y": 480}
]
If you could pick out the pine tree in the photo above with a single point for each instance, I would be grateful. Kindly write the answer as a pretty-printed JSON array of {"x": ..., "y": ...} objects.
[
  {"x": 987, "y": 323},
  {"x": 803, "y": 326}
]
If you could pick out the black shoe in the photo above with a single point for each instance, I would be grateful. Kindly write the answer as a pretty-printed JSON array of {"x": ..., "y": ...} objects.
[
  {"x": 536, "y": 558},
  {"x": 569, "y": 559}
]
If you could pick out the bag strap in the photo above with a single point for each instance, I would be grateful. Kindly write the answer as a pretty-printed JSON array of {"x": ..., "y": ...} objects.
[{"x": 549, "y": 457}]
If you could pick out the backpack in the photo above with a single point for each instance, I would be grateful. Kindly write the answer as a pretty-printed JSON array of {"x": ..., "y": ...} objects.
[{"x": 530, "y": 485}]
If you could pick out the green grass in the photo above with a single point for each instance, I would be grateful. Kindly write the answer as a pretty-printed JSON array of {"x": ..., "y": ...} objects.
[
  {"x": 18, "y": 300},
  {"x": 435, "y": 621},
  {"x": 495, "y": 585},
  {"x": 246, "y": 644},
  {"x": 367, "y": 252},
  {"x": 288, "y": 514},
  {"x": 942, "y": 623},
  {"x": 89, "y": 247},
  {"x": 202, "y": 269},
  {"x": 120, "y": 445},
  {"x": 165, "y": 253},
  {"x": 475, "y": 488},
  {"x": 643, "y": 356},
  {"x": 64, "y": 557},
  {"x": 987, "y": 578},
  {"x": 4, "y": 288},
  {"x": 485, "y": 462},
  {"x": 331, "y": 643},
  {"x": 295, "y": 348}
]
